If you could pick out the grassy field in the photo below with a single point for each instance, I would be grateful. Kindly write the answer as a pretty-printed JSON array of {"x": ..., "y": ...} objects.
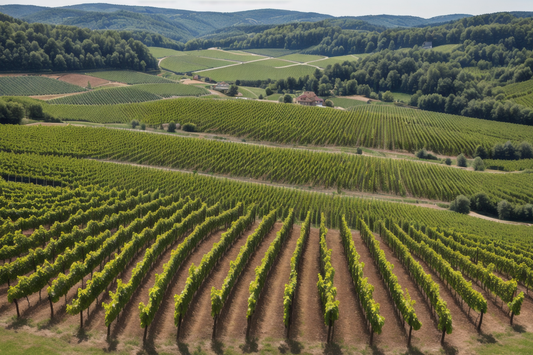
[
  {"x": 346, "y": 103},
  {"x": 159, "y": 52},
  {"x": 187, "y": 63},
  {"x": 302, "y": 58},
  {"x": 259, "y": 71},
  {"x": 333, "y": 60},
  {"x": 446, "y": 48},
  {"x": 169, "y": 90},
  {"x": 129, "y": 77},
  {"x": 271, "y": 52},
  {"x": 400, "y": 96},
  {"x": 228, "y": 55},
  {"x": 34, "y": 85}
]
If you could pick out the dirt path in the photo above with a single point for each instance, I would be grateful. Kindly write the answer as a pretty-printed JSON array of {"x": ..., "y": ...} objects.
[
  {"x": 428, "y": 336},
  {"x": 351, "y": 315},
  {"x": 232, "y": 323},
  {"x": 198, "y": 324},
  {"x": 308, "y": 323},
  {"x": 393, "y": 333},
  {"x": 268, "y": 319}
]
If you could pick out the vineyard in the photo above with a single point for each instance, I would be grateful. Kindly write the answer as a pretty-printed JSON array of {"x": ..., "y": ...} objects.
[
  {"x": 34, "y": 85},
  {"x": 282, "y": 165},
  {"x": 130, "y": 94},
  {"x": 108, "y": 96},
  {"x": 384, "y": 127},
  {"x": 57, "y": 171},
  {"x": 161, "y": 265},
  {"x": 129, "y": 77}
]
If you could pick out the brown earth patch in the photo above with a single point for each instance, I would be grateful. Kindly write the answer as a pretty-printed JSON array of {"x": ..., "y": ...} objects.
[{"x": 81, "y": 80}]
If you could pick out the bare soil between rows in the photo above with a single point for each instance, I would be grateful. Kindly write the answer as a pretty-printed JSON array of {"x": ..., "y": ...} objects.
[{"x": 308, "y": 332}]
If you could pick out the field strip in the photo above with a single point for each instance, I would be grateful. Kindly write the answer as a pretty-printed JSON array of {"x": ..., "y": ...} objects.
[
  {"x": 294, "y": 65},
  {"x": 251, "y": 92},
  {"x": 231, "y": 65},
  {"x": 423, "y": 203},
  {"x": 327, "y": 149}
]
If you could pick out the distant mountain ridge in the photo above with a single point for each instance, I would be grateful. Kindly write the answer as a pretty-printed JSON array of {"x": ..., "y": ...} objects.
[{"x": 184, "y": 25}]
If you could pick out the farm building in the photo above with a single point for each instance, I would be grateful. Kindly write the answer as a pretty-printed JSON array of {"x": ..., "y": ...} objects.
[
  {"x": 222, "y": 86},
  {"x": 309, "y": 98}
]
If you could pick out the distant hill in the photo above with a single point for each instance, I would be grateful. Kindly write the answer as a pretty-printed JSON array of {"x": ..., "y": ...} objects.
[
  {"x": 391, "y": 21},
  {"x": 180, "y": 25}
]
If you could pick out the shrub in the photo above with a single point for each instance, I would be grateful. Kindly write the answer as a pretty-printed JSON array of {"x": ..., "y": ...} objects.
[
  {"x": 143, "y": 126},
  {"x": 482, "y": 203},
  {"x": 461, "y": 204},
  {"x": 328, "y": 103},
  {"x": 268, "y": 91},
  {"x": 134, "y": 124},
  {"x": 189, "y": 127},
  {"x": 504, "y": 209},
  {"x": 374, "y": 96},
  {"x": 171, "y": 127},
  {"x": 478, "y": 164},
  {"x": 448, "y": 161},
  {"x": 359, "y": 150},
  {"x": 287, "y": 99},
  {"x": 260, "y": 97},
  {"x": 461, "y": 160},
  {"x": 387, "y": 96},
  {"x": 423, "y": 154}
]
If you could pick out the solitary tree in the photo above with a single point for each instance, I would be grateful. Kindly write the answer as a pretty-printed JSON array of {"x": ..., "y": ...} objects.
[
  {"x": 478, "y": 164},
  {"x": 134, "y": 124},
  {"x": 89, "y": 85},
  {"x": 260, "y": 97},
  {"x": 268, "y": 91},
  {"x": 233, "y": 90},
  {"x": 504, "y": 209},
  {"x": 287, "y": 99},
  {"x": 481, "y": 152},
  {"x": 387, "y": 96},
  {"x": 461, "y": 160},
  {"x": 143, "y": 126},
  {"x": 328, "y": 103},
  {"x": 448, "y": 161},
  {"x": 171, "y": 127},
  {"x": 461, "y": 204}
]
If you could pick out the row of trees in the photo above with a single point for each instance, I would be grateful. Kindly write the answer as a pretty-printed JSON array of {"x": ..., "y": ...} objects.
[
  {"x": 327, "y": 38},
  {"x": 505, "y": 210},
  {"x": 37, "y": 46}
]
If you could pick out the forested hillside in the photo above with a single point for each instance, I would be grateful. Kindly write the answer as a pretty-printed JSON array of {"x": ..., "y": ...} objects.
[{"x": 34, "y": 47}]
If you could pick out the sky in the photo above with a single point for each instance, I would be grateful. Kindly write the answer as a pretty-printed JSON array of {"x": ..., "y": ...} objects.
[{"x": 422, "y": 8}]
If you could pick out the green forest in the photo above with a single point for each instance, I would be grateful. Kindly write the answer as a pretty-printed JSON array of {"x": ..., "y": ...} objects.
[{"x": 36, "y": 46}]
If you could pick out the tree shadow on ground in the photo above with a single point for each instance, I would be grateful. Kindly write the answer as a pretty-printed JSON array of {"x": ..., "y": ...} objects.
[
  {"x": 183, "y": 348},
  {"x": 519, "y": 328},
  {"x": 413, "y": 350},
  {"x": 332, "y": 349},
  {"x": 290, "y": 346},
  {"x": 217, "y": 346},
  {"x": 250, "y": 346},
  {"x": 485, "y": 338}
]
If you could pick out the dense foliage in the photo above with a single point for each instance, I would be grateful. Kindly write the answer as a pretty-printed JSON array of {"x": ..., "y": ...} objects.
[{"x": 36, "y": 46}]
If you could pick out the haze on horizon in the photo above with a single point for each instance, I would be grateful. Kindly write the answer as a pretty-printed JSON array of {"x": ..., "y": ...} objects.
[{"x": 336, "y": 8}]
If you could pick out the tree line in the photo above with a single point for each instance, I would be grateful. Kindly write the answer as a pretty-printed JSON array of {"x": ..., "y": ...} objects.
[{"x": 36, "y": 46}]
